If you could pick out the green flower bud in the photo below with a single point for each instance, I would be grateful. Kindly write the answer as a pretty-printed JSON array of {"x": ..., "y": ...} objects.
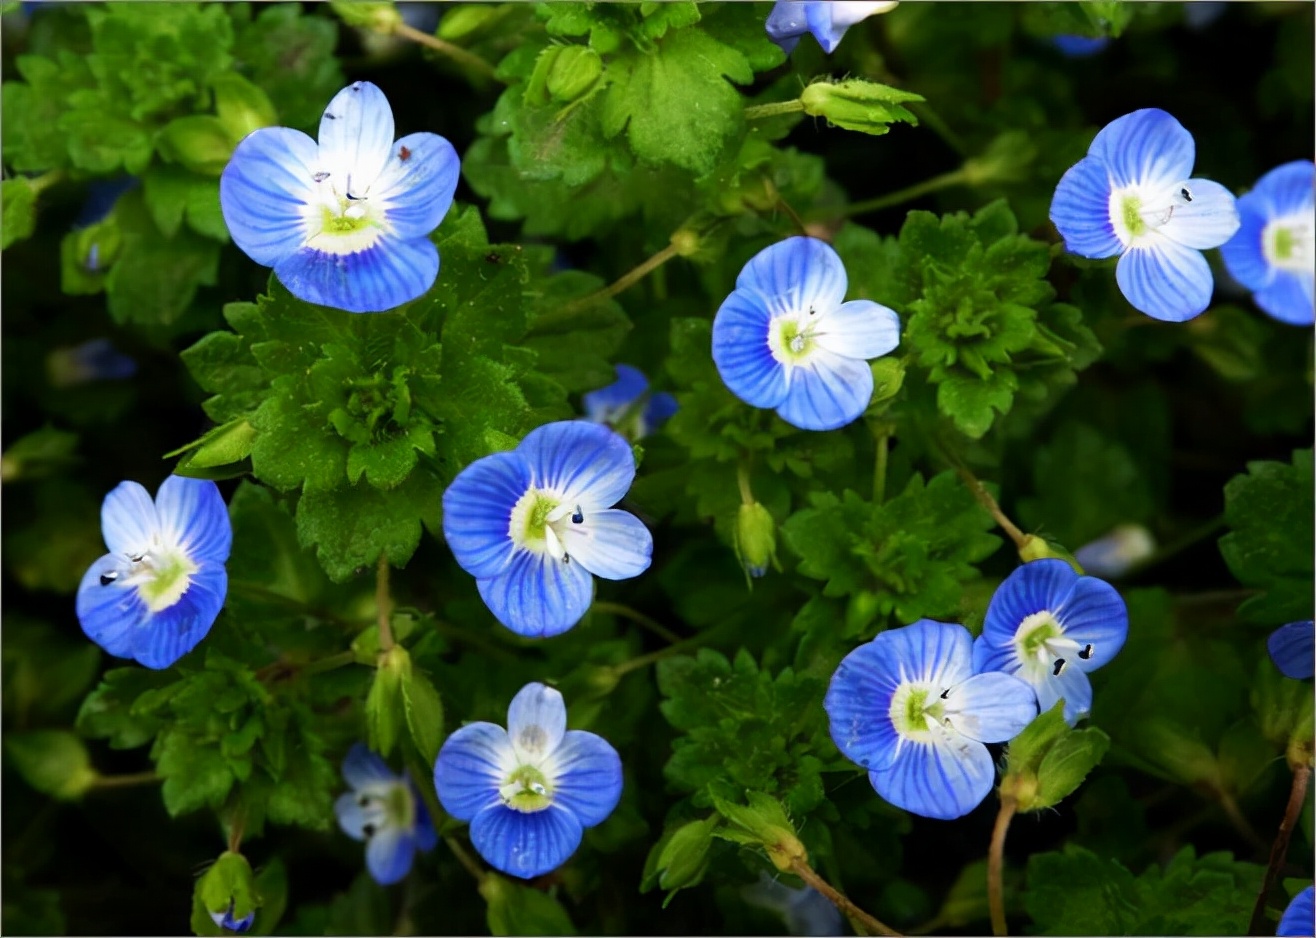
[
  {"x": 54, "y": 762},
  {"x": 573, "y": 72},
  {"x": 199, "y": 142},
  {"x": 1049, "y": 760},
  {"x": 859, "y": 105},
  {"x": 384, "y": 705},
  {"x": 242, "y": 107},
  {"x": 366, "y": 14},
  {"x": 684, "y": 857},
  {"x": 227, "y": 891},
  {"x": 756, "y": 538},
  {"x": 1036, "y": 548},
  {"x": 686, "y": 241}
]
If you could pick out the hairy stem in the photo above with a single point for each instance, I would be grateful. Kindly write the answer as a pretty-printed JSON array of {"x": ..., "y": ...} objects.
[
  {"x": 634, "y": 664},
  {"x": 985, "y": 499},
  {"x": 639, "y": 618},
  {"x": 760, "y": 111},
  {"x": 996, "y": 866},
  {"x": 900, "y": 196},
  {"x": 874, "y": 927},
  {"x": 456, "y": 53},
  {"x": 126, "y": 781},
  {"x": 383, "y": 604},
  {"x": 1280, "y": 848},
  {"x": 880, "y": 437}
]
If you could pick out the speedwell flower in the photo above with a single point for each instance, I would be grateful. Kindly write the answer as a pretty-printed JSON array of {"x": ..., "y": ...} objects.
[
  {"x": 827, "y": 20},
  {"x": 784, "y": 338},
  {"x": 908, "y": 707},
  {"x": 343, "y": 223},
  {"x": 1051, "y": 626},
  {"x": 1131, "y": 196},
  {"x": 534, "y": 526},
  {"x": 156, "y": 594},
  {"x": 1300, "y": 917},
  {"x": 1292, "y": 648},
  {"x": 227, "y": 920},
  {"x": 1273, "y": 253},
  {"x": 1115, "y": 554},
  {"x": 623, "y": 405},
  {"x": 386, "y": 812},
  {"x": 530, "y": 790}
]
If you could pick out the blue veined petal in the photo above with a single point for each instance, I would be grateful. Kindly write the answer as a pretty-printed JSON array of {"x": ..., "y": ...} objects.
[
  {"x": 1244, "y": 256},
  {"x": 192, "y": 514},
  {"x": 858, "y": 704},
  {"x": 992, "y": 708},
  {"x": 1094, "y": 614},
  {"x": 787, "y": 23},
  {"x": 538, "y": 597},
  {"x": 111, "y": 615},
  {"x": 1289, "y": 298},
  {"x": 586, "y": 777},
  {"x": 828, "y": 392},
  {"x": 943, "y": 780},
  {"x": 990, "y": 656},
  {"x": 792, "y": 275},
  {"x": 605, "y": 403},
  {"x": 351, "y": 817},
  {"x": 660, "y": 408},
  {"x": 477, "y": 511},
  {"x": 525, "y": 845},
  {"x": 858, "y": 329},
  {"x": 1291, "y": 647},
  {"x": 1165, "y": 280},
  {"x": 1072, "y": 684},
  {"x": 824, "y": 27},
  {"x": 417, "y": 190},
  {"x": 588, "y": 463},
  {"x": 536, "y": 721},
  {"x": 128, "y": 519},
  {"x": 1080, "y": 210},
  {"x": 383, "y": 276},
  {"x": 613, "y": 544},
  {"x": 1208, "y": 221},
  {"x": 928, "y": 650},
  {"x": 356, "y": 137},
  {"x": 1287, "y": 189},
  {"x": 264, "y": 192},
  {"x": 423, "y": 834},
  {"x": 362, "y": 767},
  {"x": 1033, "y": 587},
  {"x": 1147, "y": 147},
  {"x": 472, "y": 763},
  {"x": 1299, "y": 919},
  {"x": 741, "y": 351},
  {"x": 389, "y": 854},
  {"x": 173, "y": 632}
]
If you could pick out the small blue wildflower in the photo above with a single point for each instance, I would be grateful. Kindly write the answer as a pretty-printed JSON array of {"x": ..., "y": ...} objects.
[
  {"x": 1051, "y": 626},
  {"x": 1293, "y": 649},
  {"x": 530, "y": 790},
  {"x": 784, "y": 339},
  {"x": 344, "y": 222},
  {"x": 1131, "y": 196},
  {"x": 156, "y": 594},
  {"x": 226, "y": 920},
  {"x": 622, "y": 404},
  {"x": 102, "y": 196},
  {"x": 908, "y": 707},
  {"x": 385, "y": 811},
  {"x": 1202, "y": 13},
  {"x": 93, "y": 360},
  {"x": 1299, "y": 919},
  {"x": 804, "y": 911},
  {"x": 534, "y": 526},
  {"x": 1079, "y": 47},
  {"x": 1114, "y": 554},
  {"x": 1273, "y": 253},
  {"x": 827, "y": 20}
]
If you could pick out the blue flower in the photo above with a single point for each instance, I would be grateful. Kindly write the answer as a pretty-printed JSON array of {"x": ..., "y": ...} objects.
[
  {"x": 1079, "y": 47},
  {"x": 784, "y": 338},
  {"x": 93, "y": 360},
  {"x": 156, "y": 594},
  {"x": 1131, "y": 196},
  {"x": 1051, "y": 626},
  {"x": 908, "y": 707},
  {"x": 1292, "y": 648},
  {"x": 226, "y": 920},
  {"x": 530, "y": 790},
  {"x": 827, "y": 20},
  {"x": 344, "y": 223},
  {"x": 386, "y": 812},
  {"x": 534, "y": 526},
  {"x": 1299, "y": 919},
  {"x": 1274, "y": 252},
  {"x": 1114, "y": 554},
  {"x": 622, "y": 404},
  {"x": 804, "y": 911}
]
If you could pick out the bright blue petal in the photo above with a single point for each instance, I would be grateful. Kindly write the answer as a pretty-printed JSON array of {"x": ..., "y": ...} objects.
[
  {"x": 942, "y": 780},
  {"x": 536, "y": 721},
  {"x": 128, "y": 519},
  {"x": 990, "y": 656},
  {"x": 111, "y": 615},
  {"x": 992, "y": 708},
  {"x": 859, "y": 329},
  {"x": 1244, "y": 257},
  {"x": 1292, "y": 648},
  {"x": 606, "y": 403},
  {"x": 828, "y": 392},
  {"x": 1080, "y": 210},
  {"x": 787, "y": 23},
  {"x": 473, "y": 762},
  {"x": 858, "y": 705},
  {"x": 423, "y": 835},
  {"x": 1093, "y": 614},
  {"x": 824, "y": 28},
  {"x": 1287, "y": 189},
  {"x": 362, "y": 767},
  {"x": 417, "y": 191},
  {"x": 795, "y": 274},
  {"x": 383, "y": 276},
  {"x": 1072, "y": 684},
  {"x": 1165, "y": 280},
  {"x": 661, "y": 406},
  {"x": 587, "y": 463},
  {"x": 192, "y": 514},
  {"x": 351, "y": 816},
  {"x": 525, "y": 845},
  {"x": 264, "y": 191},
  {"x": 741, "y": 351},
  {"x": 1147, "y": 147},
  {"x": 1208, "y": 221},
  {"x": 356, "y": 137},
  {"x": 477, "y": 512},
  {"x": 1079, "y": 47},
  {"x": 612, "y": 544},
  {"x": 173, "y": 632},
  {"x": 1299, "y": 919},
  {"x": 389, "y": 854},
  {"x": 1289, "y": 298},
  {"x": 586, "y": 777},
  {"x": 1031, "y": 588},
  {"x": 940, "y": 653},
  {"x": 538, "y": 597}
]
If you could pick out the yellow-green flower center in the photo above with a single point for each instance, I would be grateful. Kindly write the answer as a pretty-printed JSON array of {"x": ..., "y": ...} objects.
[
  {"x": 911, "y": 706},
  {"x": 1130, "y": 209},
  {"x": 1035, "y": 638},
  {"x": 1284, "y": 243},
  {"x": 164, "y": 578},
  {"x": 526, "y": 790}
]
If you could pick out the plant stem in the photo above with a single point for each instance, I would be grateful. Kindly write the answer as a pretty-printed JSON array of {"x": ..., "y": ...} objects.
[
  {"x": 626, "y": 612},
  {"x": 996, "y": 866},
  {"x": 760, "y": 111},
  {"x": 1280, "y": 848},
  {"x": 742, "y": 480},
  {"x": 383, "y": 604},
  {"x": 985, "y": 499},
  {"x": 944, "y": 181},
  {"x": 465, "y": 859},
  {"x": 236, "y": 829},
  {"x": 879, "y": 466},
  {"x": 628, "y": 279},
  {"x": 43, "y": 182},
  {"x": 454, "y": 52},
  {"x": 126, "y": 781},
  {"x": 281, "y": 669},
  {"x": 634, "y": 664},
  {"x": 805, "y": 872}
]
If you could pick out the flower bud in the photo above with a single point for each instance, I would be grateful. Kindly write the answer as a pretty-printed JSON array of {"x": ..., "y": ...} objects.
[
  {"x": 573, "y": 72},
  {"x": 859, "y": 105},
  {"x": 1036, "y": 548},
  {"x": 242, "y": 107},
  {"x": 366, "y": 14},
  {"x": 199, "y": 142},
  {"x": 756, "y": 538},
  {"x": 54, "y": 762},
  {"x": 684, "y": 857},
  {"x": 227, "y": 892}
]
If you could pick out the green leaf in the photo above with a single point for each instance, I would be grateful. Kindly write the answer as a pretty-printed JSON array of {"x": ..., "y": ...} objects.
[
  {"x": 19, "y": 199},
  {"x": 38, "y": 454},
  {"x": 517, "y": 909},
  {"x": 54, "y": 762},
  {"x": 221, "y": 446},
  {"x": 288, "y": 53},
  {"x": 201, "y": 143},
  {"x": 155, "y": 278},
  {"x": 680, "y": 858},
  {"x": 196, "y": 775},
  {"x": 424, "y": 713},
  {"x": 109, "y": 712}
]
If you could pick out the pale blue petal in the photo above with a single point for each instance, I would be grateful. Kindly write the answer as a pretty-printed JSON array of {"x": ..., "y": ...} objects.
[
  {"x": 942, "y": 780},
  {"x": 417, "y": 190},
  {"x": 1287, "y": 189},
  {"x": 525, "y": 845},
  {"x": 173, "y": 632},
  {"x": 1080, "y": 210},
  {"x": 824, "y": 27},
  {"x": 1073, "y": 685},
  {"x": 992, "y": 708},
  {"x": 741, "y": 351},
  {"x": 827, "y": 393},
  {"x": 536, "y": 721},
  {"x": 1165, "y": 280},
  {"x": 356, "y": 137},
  {"x": 607, "y": 403},
  {"x": 111, "y": 615},
  {"x": 1291, "y": 647},
  {"x": 1094, "y": 614},
  {"x": 859, "y": 329},
  {"x": 587, "y": 777},
  {"x": 538, "y": 597},
  {"x": 193, "y": 515},
  {"x": 1244, "y": 257},
  {"x": 858, "y": 704},
  {"x": 351, "y": 816},
  {"x": 361, "y": 767},
  {"x": 795, "y": 274},
  {"x": 660, "y": 408},
  {"x": 587, "y": 463},
  {"x": 472, "y": 763},
  {"x": 389, "y": 854},
  {"x": 1208, "y": 221},
  {"x": 477, "y": 512},
  {"x": 940, "y": 653},
  {"x": 1289, "y": 298},
  {"x": 613, "y": 544},
  {"x": 128, "y": 519},
  {"x": 1147, "y": 147},
  {"x": 1299, "y": 919},
  {"x": 383, "y": 276},
  {"x": 265, "y": 189}
]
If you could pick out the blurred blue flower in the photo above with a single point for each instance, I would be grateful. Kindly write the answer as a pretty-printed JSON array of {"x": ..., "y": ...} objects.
[
  {"x": 226, "y": 920},
  {"x": 158, "y": 591},
  {"x": 1131, "y": 196},
  {"x": 1051, "y": 626},
  {"x": 1079, "y": 47},
  {"x": 623, "y": 405},
  {"x": 529, "y": 791},
  {"x": 1114, "y": 554},
  {"x": 1299, "y": 919},
  {"x": 1202, "y": 13},
  {"x": 785, "y": 339},
  {"x": 344, "y": 223},
  {"x": 804, "y": 911},
  {"x": 102, "y": 194},
  {"x": 1273, "y": 253},
  {"x": 534, "y": 526},
  {"x": 93, "y": 360},
  {"x": 386, "y": 812},
  {"x": 827, "y": 20},
  {"x": 1293, "y": 649},
  {"x": 908, "y": 707}
]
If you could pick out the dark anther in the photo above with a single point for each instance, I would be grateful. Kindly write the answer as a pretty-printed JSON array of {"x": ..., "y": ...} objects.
[
  {"x": 353, "y": 198},
  {"x": 566, "y": 558},
  {"x": 108, "y": 578},
  {"x": 368, "y": 830},
  {"x": 363, "y": 800},
  {"x": 1086, "y": 653},
  {"x": 136, "y": 558},
  {"x": 1060, "y": 666},
  {"x": 332, "y": 117},
  {"x": 811, "y": 310},
  {"x": 945, "y": 695},
  {"x": 1187, "y": 196},
  {"x": 320, "y": 176},
  {"x": 578, "y": 516}
]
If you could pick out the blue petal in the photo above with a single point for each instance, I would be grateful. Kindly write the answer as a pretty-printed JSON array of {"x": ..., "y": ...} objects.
[
  {"x": 264, "y": 191},
  {"x": 792, "y": 275},
  {"x": 1287, "y": 189},
  {"x": 942, "y": 780},
  {"x": 1094, "y": 614},
  {"x": 389, "y": 854},
  {"x": 536, "y": 721},
  {"x": 1291, "y": 647},
  {"x": 1165, "y": 280},
  {"x": 828, "y": 392},
  {"x": 587, "y": 777},
  {"x": 111, "y": 615},
  {"x": 992, "y": 708},
  {"x": 173, "y": 632},
  {"x": 1079, "y": 47},
  {"x": 385, "y": 275},
  {"x": 1289, "y": 298},
  {"x": 1299, "y": 919},
  {"x": 424, "y": 836},
  {"x": 1116, "y": 553},
  {"x": 1147, "y": 147},
  {"x": 1031, "y": 588},
  {"x": 605, "y": 404},
  {"x": 858, "y": 705},
  {"x": 821, "y": 23},
  {"x": 587, "y": 463},
  {"x": 362, "y": 767},
  {"x": 1072, "y": 684},
  {"x": 612, "y": 544},
  {"x": 538, "y": 597},
  {"x": 858, "y": 329},
  {"x": 1080, "y": 210},
  {"x": 351, "y": 817},
  {"x": 417, "y": 191},
  {"x": 477, "y": 512},
  {"x": 940, "y": 653},
  {"x": 741, "y": 351},
  {"x": 471, "y": 765},
  {"x": 356, "y": 136},
  {"x": 1244, "y": 256},
  {"x": 193, "y": 515},
  {"x": 525, "y": 845},
  {"x": 661, "y": 407},
  {"x": 787, "y": 23},
  {"x": 1208, "y": 221},
  {"x": 128, "y": 519}
]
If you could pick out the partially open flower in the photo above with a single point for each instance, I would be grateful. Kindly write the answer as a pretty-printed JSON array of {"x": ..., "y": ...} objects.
[{"x": 385, "y": 811}]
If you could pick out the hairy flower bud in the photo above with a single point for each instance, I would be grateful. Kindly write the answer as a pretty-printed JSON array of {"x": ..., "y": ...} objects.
[
  {"x": 859, "y": 105},
  {"x": 756, "y": 538}
]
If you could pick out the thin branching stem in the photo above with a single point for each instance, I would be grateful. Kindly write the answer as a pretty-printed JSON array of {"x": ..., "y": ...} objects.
[
  {"x": 996, "y": 866},
  {"x": 856, "y": 915},
  {"x": 1280, "y": 848},
  {"x": 459, "y": 55},
  {"x": 383, "y": 604},
  {"x": 639, "y": 618}
]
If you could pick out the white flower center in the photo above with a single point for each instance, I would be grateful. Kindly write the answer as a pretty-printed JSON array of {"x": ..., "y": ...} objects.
[
  {"x": 342, "y": 219},
  {"x": 916, "y": 708},
  {"x": 1137, "y": 211},
  {"x": 1042, "y": 648},
  {"x": 792, "y": 337},
  {"x": 540, "y": 520},
  {"x": 386, "y": 805},
  {"x": 161, "y": 575},
  {"x": 1289, "y": 243}
]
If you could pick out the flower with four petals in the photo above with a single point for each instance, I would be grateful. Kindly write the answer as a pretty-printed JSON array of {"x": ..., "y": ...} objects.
[
  {"x": 1273, "y": 253},
  {"x": 385, "y": 811}
]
